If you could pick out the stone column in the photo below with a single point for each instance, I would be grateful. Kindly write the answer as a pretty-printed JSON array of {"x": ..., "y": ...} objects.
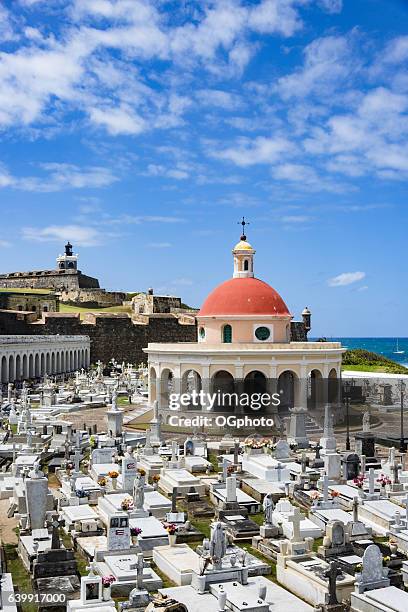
[
  {"x": 302, "y": 388},
  {"x": 239, "y": 385},
  {"x": 272, "y": 388},
  {"x": 205, "y": 384}
]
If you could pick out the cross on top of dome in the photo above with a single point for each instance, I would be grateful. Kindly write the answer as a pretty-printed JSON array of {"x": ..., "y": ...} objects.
[{"x": 243, "y": 223}]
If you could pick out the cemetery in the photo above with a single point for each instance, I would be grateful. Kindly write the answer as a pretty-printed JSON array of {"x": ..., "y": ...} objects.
[
  {"x": 112, "y": 508},
  {"x": 133, "y": 520}
]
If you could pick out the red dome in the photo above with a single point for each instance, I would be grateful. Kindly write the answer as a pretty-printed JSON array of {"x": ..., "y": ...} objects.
[{"x": 244, "y": 296}]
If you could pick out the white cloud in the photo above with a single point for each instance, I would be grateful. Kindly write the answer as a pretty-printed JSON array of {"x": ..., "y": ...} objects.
[
  {"x": 331, "y": 6},
  {"x": 328, "y": 61},
  {"x": 82, "y": 236},
  {"x": 120, "y": 120},
  {"x": 69, "y": 70},
  {"x": 58, "y": 177},
  {"x": 396, "y": 50},
  {"x": 279, "y": 16},
  {"x": 67, "y": 176},
  {"x": 346, "y": 278},
  {"x": 4, "y": 244},
  {"x": 248, "y": 152},
  {"x": 179, "y": 173},
  {"x": 216, "y": 97},
  {"x": 371, "y": 139},
  {"x": 6, "y": 27}
]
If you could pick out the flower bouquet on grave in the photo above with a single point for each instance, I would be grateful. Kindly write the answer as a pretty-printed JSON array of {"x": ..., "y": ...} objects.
[
  {"x": 113, "y": 475},
  {"x": 384, "y": 480},
  {"x": 315, "y": 495},
  {"x": 393, "y": 547},
  {"x": 171, "y": 529},
  {"x": 107, "y": 582},
  {"x": 127, "y": 504},
  {"x": 255, "y": 443},
  {"x": 334, "y": 493},
  {"x": 135, "y": 533},
  {"x": 155, "y": 480},
  {"x": 141, "y": 471},
  {"x": 69, "y": 467},
  {"x": 102, "y": 481},
  {"x": 230, "y": 469},
  {"x": 359, "y": 481}
]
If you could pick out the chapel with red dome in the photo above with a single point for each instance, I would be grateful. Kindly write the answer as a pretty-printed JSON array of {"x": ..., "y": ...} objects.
[
  {"x": 246, "y": 339},
  {"x": 244, "y": 308}
]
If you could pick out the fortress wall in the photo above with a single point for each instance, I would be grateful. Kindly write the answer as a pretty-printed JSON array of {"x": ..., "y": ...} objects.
[
  {"x": 93, "y": 297},
  {"x": 87, "y": 282},
  {"x": 47, "y": 279},
  {"x": 298, "y": 332},
  {"x": 111, "y": 335}
]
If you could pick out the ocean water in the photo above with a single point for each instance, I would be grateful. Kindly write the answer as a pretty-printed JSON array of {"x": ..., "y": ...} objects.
[{"x": 382, "y": 346}]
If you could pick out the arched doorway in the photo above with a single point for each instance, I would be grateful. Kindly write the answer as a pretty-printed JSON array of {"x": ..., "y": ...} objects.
[
  {"x": 223, "y": 385},
  {"x": 315, "y": 386},
  {"x": 11, "y": 370},
  {"x": 25, "y": 367},
  {"x": 37, "y": 365},
  {"x": 191, "y": 384},
  {"x": 4, "y": 370},
  {"x": 166, "y": 387},
  {"x": 333, "y": 387},
  {"x": 18, "y": 368},
  {"x": 288, "y": 389},
  {"x": 254, "y": 384}
]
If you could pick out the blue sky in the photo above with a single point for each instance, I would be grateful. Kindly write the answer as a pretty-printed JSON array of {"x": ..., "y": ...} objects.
[{"x": 143, "y": 130}]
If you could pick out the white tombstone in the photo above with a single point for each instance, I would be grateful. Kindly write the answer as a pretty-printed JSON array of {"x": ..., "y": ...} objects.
[
  {"x": 129, "y": 470},
  {"x": 332, "y": 466},
  {"x": 118, "y": 532},
  {"x": 328, "y": 441},
  {"x": 231, "y": 483},
  {"x": 36, "y": 487},
  {"x": 282, "y": 450}
]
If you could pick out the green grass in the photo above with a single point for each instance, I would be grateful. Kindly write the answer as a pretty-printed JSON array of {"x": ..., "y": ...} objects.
[
  {"x": 82, "y": 561},
  {"x": 366, "y": 361},
  {"x": 202, "y": 524},
  {"x": 83, "y": 310},
  {"x": 27, "y": 290},
  {"x": 167, "y": 583},
  {"x": 212, "y": 458},
  {"x": 368, "y": 368},
  {"x": 257, "y": 518},
  {"x": 123, "y": 401},
  {"x": 21, "y": 578}
]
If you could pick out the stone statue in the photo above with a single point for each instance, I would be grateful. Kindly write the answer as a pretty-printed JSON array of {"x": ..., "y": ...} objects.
[
  {"x": 218, "y": 545},
  {"x": 268, "y": 507},
  {"x": 366, "y": 421},
  {"x": 138, "y": 492},
  {"x": 114, "y": 399}
]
